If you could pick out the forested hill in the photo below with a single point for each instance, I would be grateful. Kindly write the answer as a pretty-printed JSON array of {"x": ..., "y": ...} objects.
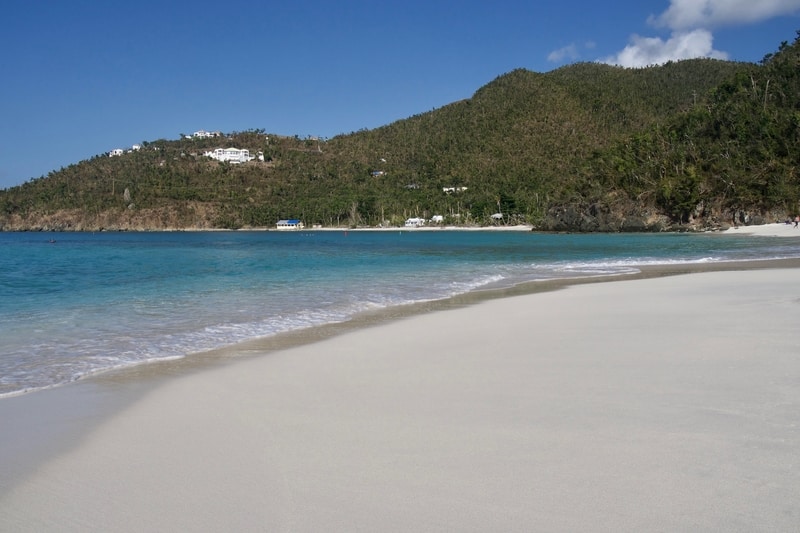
[{"x": 587, "y": 147}]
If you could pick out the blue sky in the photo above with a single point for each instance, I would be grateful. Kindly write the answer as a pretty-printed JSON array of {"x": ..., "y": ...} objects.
[{"x": 81, "y": 78}]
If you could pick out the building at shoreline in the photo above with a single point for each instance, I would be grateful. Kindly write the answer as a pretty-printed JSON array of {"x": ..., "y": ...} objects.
[
  {"x": 415, "y": 222},
  {"x": 290, "y": 224}
]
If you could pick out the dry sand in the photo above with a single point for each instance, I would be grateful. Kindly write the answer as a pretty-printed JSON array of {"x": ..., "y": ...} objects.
[
  {"x": 766, "y": 230},
  {"x": 668, "y": 404}
]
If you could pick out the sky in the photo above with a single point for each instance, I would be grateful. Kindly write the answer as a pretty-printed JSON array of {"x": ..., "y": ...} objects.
[{"x": 81, "y": 78}]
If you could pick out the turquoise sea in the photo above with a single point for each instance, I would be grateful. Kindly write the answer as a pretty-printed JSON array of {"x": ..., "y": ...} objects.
[{"x": 76, "y": 304}]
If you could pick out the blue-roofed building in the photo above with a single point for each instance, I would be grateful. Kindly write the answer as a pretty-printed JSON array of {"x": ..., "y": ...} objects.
[{"x": 291, "y": 223}]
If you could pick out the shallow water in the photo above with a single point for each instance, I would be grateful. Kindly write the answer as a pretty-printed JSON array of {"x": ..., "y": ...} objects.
[{"x": 88, "y": 303}]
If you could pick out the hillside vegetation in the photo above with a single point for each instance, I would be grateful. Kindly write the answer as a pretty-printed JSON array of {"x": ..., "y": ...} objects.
[{"x": 587, "y": 147}]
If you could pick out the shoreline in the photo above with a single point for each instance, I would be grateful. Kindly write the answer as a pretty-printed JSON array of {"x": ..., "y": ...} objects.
[
  {"x": 44, "y": 427},
  {"x": 774, "y": 229},
  {"x": 777, "y": 229},
  {"x": 290, "y": 339}
]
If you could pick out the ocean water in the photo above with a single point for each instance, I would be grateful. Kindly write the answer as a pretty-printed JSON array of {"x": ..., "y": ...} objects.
[{"x": 90, "y": 302}]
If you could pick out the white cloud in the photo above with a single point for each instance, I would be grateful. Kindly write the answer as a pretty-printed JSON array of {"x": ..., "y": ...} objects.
[
  {"x": 684, "y": 15},
  {"x": 571, "y": 52},
  {"x": 690, "y": 22},
  {"x": 646, "y": 51},
  {"x": 568, "y": 52}
]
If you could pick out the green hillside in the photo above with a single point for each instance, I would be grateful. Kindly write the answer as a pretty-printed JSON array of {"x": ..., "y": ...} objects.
[
  {"x": 586, "y": 147},
  {"x": 735, "y": 153}
]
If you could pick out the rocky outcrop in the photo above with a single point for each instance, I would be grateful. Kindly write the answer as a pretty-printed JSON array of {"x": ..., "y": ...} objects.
[{"x": 602, "y": 219}]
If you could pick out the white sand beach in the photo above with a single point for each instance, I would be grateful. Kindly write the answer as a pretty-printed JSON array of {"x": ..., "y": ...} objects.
[
  {"x": 766, "y": 230},
  {"x": 665, "y": 404}
]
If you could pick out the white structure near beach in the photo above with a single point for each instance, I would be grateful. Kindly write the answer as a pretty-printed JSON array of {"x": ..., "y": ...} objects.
[
  {"x": 231, "y": 155},
  {"x": 415, "y": 222},
  {"x": 291, "y": 223}
]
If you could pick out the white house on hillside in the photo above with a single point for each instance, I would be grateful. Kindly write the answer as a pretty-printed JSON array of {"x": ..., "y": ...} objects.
[
  {"x": 119, "y": 151},
  {"x": 202, "y": 134},
  {"x": 232, "y": 155}
]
